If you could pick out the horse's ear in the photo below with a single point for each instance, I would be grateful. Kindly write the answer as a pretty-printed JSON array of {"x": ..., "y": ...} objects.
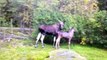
[
  {"x": 62, "y": 21},
  {"x": 72, "y": 27},
  {"x": 59, "y": 21}
]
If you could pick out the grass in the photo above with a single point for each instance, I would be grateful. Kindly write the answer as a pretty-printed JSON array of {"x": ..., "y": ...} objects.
[
  {"x": 24, "y": 50},
  {"x": 91, "y": 53}
]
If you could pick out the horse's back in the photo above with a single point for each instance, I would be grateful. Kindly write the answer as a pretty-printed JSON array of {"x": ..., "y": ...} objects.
[{"x": 48, "y": 29}]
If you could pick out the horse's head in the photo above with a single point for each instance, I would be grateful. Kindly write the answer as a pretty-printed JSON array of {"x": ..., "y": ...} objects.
[
  {"x": 61, "y": 25},
  {"x": 72, "y": 29}
]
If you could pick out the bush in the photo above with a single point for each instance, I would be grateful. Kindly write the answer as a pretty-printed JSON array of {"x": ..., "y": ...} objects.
[
  {"x": 90, "y": 30},
  {"x": 4, "y": 23},
  {"x": 51, "y": 17},
  {"x": 96, "y": 29}
]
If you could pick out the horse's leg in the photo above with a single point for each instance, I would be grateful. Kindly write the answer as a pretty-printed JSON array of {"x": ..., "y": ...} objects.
[
  {"x": 59, "y": 44},
  {"x": 69, "y": 41},
  {"x": 58, "y": 41},
  {"x": 37, "y": 39},
  {"x": 42, "y": 38},
  {"x": 54, "y": 41}
]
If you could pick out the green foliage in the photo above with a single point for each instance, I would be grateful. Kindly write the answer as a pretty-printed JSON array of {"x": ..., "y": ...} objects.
[
  {"x": 6, "y": 11},
  {"x": 82, "y": 15},
  {"x": 102, "y": 19},
  {"x": 3, "y": 22},
  {"x": 101, "y": 27},
  {"x": 93, "y": 29},
  {"x": 96, "y": 31}
]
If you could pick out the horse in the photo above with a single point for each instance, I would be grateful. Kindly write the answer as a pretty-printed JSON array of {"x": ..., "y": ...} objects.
[
  {"x": 68, "y": 35},
  {"x": 48, "y": 30}
]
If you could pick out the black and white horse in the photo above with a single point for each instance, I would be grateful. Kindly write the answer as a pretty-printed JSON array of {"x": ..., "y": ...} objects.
[
  {"x": 48, "y": 30},
  {"x": 68, "y": 35}
]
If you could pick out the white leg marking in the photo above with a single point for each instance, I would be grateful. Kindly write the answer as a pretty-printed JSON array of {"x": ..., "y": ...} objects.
[
  {"x": 42, "y": 38},
  {"x": 54, "y": 41},
  {"x": 38, "y": 37},
  {"x": 59, "y": 44},
  {"x": 69, "y": 44},
  {"x": 58, "y": 41}
]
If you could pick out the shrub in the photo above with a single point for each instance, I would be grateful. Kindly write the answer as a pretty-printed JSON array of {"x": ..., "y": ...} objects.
[
  {"x": 51, "y": 17},
  {"x": 96, "y": 29},
  {"x": 90, "y": 30}
]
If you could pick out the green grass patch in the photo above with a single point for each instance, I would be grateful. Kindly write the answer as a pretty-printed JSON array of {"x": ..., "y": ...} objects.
[
  {"x": 91, "y": 53},
  {"x": 25, "y": 50}
]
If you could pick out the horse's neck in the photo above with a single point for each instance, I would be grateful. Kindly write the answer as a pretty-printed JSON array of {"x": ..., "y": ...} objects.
[{"x": 71, "y": 31}]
